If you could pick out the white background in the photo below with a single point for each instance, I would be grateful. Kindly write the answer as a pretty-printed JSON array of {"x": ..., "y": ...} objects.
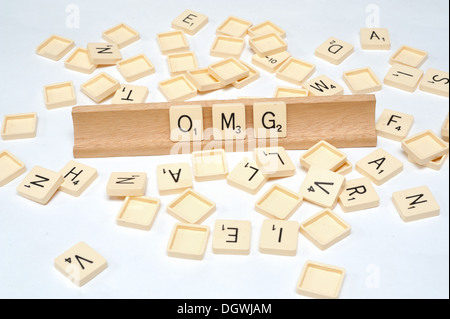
[{"x": 383, "y": 257}]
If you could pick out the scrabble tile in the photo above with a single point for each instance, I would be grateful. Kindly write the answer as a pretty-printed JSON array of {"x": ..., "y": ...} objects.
[
  {"x": 80, "y": 264},
  {"x": 228, "y": 70},
  {"x": 226, "y": 46},
  {"x": 191, "y": 207},
  {"x": 282, "y": 91},
  {"x": 177, "y": 88},
  {"x": 295, "y": 71},
  {"x": 358, "y": 194},
  {"x": 135, "y": 68},
  {"x": 209, "y": 165},
  {"x": 323, "y": 86},
  {"x": 278, "y": 202},
  {"x": 274, "y": 162},
  {"x": 188, "y": 241},
  {"x": 130, "y": 94},
  {"x": 172, "y": 42},
  {"x": 234, "y": 27},
  {"x": 445, "y": 130},
  {"x": 247, "y": 176},
  {"x": 409, "y": 56},
  {"x": 182, "y": 62},
  {"x": 253, "y": 75},
  {"x": 345, "y": 168},
  {"x": 173, "y": 178},
  {"x": 40, "y": 185},
  {"x": 379, "y": 166},
  {"x": 320, "y": 281},
  {"x": 127, "y": 184},
  {"x": 435, "y": 164},
  {"x": 190, "y": 22},
  {"x": 325, "y": 229},
  {"x": 59, "y": 95},
  {"x": 362, "y": 81},
  {"x": 121, "y": 34},
  {"x": 100, "y": 87},
  {"x": 203, "y": 80},
  {"x": 279, "y": 237},
  {"x": 18, "y": 126},
  {"x": 334, "y": 51},
  {"x": 424, "y": 146},
  {"x": 270, "y": 119},
  {"x": 79, "y": 61},
  {"x": 186, "y": 123},
  {"x": 415, "y": 203},
  {"x": 267, "y": 44},
  {"x": 266, "y": 27},
  {"x": 104, "y": 53},
  {"x": 77, "y": 178},
  {"x": 322, "y": 187},
  {"x": 138, "y": 212},
  {"x": 10, "y": 167},
  {"x": 375, "y": 39},
  {"x": 324, "y": 155},
  {"x": 403, "y": 77},
  {"x": 435, "y": 82},
  {"x": 394, "y": 125},
  {"x": 231, "y": 237},
  {"x": 229, "y": 121},
  {"x": 55, "y": 47},
  {"x": 270, "y": 63}
]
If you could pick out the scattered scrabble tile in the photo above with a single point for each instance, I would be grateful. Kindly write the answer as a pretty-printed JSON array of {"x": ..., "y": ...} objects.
[
  {"x": 324, "y": 155},
  {"x": 266, "y": 27},
  {"x": 122, "y": 35},
  {"x": 229, "y": 121},
  {"x": 435, "y": 82},
  {"x": 424, "y": 146},
  {"x": 80, "y": 264},
  {"x": 394, "y": 125},
  {"x": 362, "y": 81},
  {"x": 321, "y": 281},
  {"x": 79, "y": 61},
  {"x": 172, "y": 42},
  {"x": 226, "y": 46},
  {"x": 274, "y": 162},
  {"x": 127, "y": 184},
  {"x": 270, "y": 63},
  {"x": 182, "y": 62},
  {"x": 203, "y": 80},
  {"x": 270, "y": 119},
  {"x": 135, "y": 68},
  {"x": 278, "y": 202},
  {"x": 435, "y": 164},
  {"x": 247, "y": 176},
  {"x": 104, "y": 53},
  {"x": 186, "y": 123},
  {"x": 267, "y": 44},
  {"x": 358, "y": 194},
  {"x": 323, "y": 86},
  {"x": 334, "y": 51},
  {"x": 177, "y": 88},
  {"x": 10, "y": 167},
  {"x": 188, "y": 241},
  {"x": 59, "y": 95},
  {"x": 282, "y": 91},
  {"x": 325, "y": 229},
  {"x": 253, "y": 75},
  {"x": 129, "y": 94},
  {"x": 191, "y": 207},
  {"x": 403, "y": 77},
  {"x": 375, "y": 39},
  {"x": 379, "y": 166},
  {"x": 445, "y": 130},
  {"x": 322, "y": 187},
  {"x": 295, "y": 71},
  {"x": 55, "y": 47},
  {"x": 345, "y": 168},
  {"x": 415, "y": 203},
  {"x": 173, "y": 178},
  {"x": 190, "y": 22},
  {"x": 209, "y": 165},
  {"x": 138, "y": 212},
  {"x": 234, "y": 27},
  {"x": 18, "y": 126},
  {"x": 409, "y": 56},
  {"x": 40, "y": 185},
  {"x": 279, "y": 237},
  {"x": 100, "y": 87},
  {"x": 77, "y": 178},
  {"x": 231, "y": 237},
  {"x": 228, "y": 70}
]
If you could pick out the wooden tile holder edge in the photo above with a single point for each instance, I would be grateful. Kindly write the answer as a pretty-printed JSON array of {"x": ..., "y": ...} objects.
[{"x": 143, "y": 129}]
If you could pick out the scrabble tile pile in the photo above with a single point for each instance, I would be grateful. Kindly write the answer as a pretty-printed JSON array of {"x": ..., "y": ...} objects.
[{"x": 325, "y": 184}]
